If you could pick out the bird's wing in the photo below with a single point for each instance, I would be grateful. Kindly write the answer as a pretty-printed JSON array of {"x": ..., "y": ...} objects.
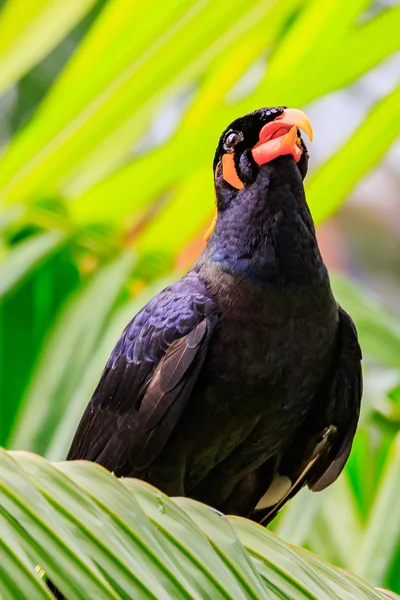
[
  {"x": 321, "y": 449},
  {"x": 147, "y": 380}
]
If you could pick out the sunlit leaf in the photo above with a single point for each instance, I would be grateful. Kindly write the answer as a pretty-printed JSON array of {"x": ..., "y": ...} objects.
[
  {"x": 333, "y": 181},
  {"x": 298, "y": 517},
  {"x": 26, "y": 256},
  {"x": 97, "y": 536},
  {"x": 282, "y": 562},
  {"x": 46, "y": 151},
  {"x": 339, "y": 523},
  {"x": 383, "y": 532},
  {"x": 337, "y": 57},
  {"x": 22, "y": 42},
  {"x": 231, "y": 54},
  {"x": 378, "y": 330},
  {"x": 63, "y": 361},
  {"x": 17, "y": 572}
]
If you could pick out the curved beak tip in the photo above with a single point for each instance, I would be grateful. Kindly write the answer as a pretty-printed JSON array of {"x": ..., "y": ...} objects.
[
  {"x": 293, "y": 116},
  {"x": 309, "y": 132}
]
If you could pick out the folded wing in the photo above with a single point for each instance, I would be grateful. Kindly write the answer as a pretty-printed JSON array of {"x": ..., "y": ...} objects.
[
  {"x": 148, "y": 379},
  {"x": 322, "y": 446}
]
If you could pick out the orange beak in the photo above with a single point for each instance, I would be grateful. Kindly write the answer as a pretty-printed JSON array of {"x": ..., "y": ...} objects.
[{"x": 279, "y": 137}]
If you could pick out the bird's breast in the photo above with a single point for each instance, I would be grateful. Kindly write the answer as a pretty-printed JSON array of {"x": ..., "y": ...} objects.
[{"x": 268, "y": 337}]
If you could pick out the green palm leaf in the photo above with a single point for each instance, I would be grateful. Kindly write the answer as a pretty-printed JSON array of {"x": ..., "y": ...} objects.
[
  {"x": 22, "y": 24},
  {"x": 25, "y": 257},
  {"x": 63, "y": 361},
  {"x": 100, "y": 537}
]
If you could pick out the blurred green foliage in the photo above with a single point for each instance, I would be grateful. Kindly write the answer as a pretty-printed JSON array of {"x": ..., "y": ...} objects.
[{"x": 100, "y": 201}]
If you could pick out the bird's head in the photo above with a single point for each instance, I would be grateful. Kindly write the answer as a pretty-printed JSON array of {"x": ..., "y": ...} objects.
[{"x": 250, "y": 142}]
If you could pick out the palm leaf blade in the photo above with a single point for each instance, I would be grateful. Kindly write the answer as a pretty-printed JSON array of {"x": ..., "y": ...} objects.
[{"x": 97, "y": 536}]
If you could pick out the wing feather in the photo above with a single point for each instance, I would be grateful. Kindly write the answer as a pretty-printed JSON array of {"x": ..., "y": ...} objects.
[
  {"x": 148, "y": 379},
  {"x": 168, "y": 393},
  {"x": 323, "y": 445}
]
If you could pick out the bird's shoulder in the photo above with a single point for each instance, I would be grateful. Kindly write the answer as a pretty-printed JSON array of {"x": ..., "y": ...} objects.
[{"x": 169, "y": 315}]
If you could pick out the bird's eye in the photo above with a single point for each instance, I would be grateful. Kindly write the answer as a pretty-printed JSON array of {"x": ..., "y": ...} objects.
[{"x": 232, "y": 138}]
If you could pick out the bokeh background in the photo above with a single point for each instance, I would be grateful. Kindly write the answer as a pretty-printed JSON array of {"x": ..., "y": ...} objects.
[{"x": 110, "y": 111}]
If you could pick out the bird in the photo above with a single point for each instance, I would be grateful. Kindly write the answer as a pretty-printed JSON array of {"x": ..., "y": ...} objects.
[{"x": 240, "y": 383}]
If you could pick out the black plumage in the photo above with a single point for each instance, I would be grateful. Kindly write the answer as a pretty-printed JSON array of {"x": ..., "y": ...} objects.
[{"x": 240, "y": 383}]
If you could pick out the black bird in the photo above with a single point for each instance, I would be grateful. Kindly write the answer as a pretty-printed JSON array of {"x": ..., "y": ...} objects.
[{"x": 240, "y": 383}]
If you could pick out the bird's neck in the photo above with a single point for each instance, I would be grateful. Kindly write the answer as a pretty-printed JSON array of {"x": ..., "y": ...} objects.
[{"x": 268, "y": 239}]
